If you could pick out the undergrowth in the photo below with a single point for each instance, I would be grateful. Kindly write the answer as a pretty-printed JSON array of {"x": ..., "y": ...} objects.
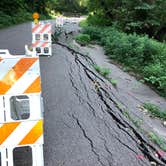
[
  {"x": 138, "y": 53},
  {"x": 155, "y": 111},
  {"x": 83, "y": 39}
]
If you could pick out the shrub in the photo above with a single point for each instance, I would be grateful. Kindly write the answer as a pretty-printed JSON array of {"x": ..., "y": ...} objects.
[
  {"x": 103, "y": 71},
  {"x": 98, "y": 19},
  {"x": 155, "y": 110},
  {"x": 94, "y": 32},
  {"x": 83, "y": 23},
  {"x": 20, "y": 17},
  {"x": 139, "y": 53},
  {"x": 83, "y": 39}
]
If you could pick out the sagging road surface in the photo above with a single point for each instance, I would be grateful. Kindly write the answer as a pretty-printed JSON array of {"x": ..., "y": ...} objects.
[{"x": 84, "y": 124}]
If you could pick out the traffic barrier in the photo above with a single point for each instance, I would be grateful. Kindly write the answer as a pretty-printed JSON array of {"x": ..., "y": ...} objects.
[
  {"x": 59, "y": 21},
  {"x": 21, "y": 111},
  {"x": 41, "y": 39}
]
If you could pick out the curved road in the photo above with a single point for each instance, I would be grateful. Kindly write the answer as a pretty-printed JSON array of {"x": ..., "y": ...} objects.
[{"x": 84, "y": 124}]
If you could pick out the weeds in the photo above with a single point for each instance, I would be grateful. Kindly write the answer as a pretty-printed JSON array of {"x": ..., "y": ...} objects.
[
  {"x": 155, "y": 110},
  {"x": 137, "y": 53},
  {"x": 103, "y": 71},
  {"x": 157, "y": 140},
  {"x": 113, "y": 82},
  {"x": 135, "y": 121}
]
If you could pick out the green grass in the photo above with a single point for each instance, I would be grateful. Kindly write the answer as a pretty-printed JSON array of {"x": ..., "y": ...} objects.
[
  {"x": 102, "y": 70},
  {"x": 83, "y": 39},
  {"x": 157, "y": 140},
  {"x": 155, "y": 111},
  {"x": 135, "y": 121},
  {"x": 105, "y": 72},
  {"x": 113, "y": 82}
]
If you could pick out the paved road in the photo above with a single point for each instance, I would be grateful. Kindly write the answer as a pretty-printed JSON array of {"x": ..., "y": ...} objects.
[{"x": 84, "y": 125}]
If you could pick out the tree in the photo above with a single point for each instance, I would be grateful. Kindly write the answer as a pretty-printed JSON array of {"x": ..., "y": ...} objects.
[{"x": 140, "y": 16}]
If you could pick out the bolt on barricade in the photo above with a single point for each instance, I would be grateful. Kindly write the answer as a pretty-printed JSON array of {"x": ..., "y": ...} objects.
[
  {"x": 41, "y": 38},
  {"x": 21, "y": 111}
]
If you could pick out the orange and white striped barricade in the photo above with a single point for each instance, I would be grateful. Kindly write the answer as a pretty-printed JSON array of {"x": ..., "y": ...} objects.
[
  {"x": 41, "y": 39},
  {"x": 21, "y": 115}
]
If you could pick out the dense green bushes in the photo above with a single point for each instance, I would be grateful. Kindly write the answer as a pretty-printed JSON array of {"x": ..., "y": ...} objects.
[
  {"x": 83, "y": 39},
  {"x": 141, "y": 54},
  {"x": 7, "y": 20},
  {"x": 18, "y": 11},
  {"x": 140, "y": 16}
]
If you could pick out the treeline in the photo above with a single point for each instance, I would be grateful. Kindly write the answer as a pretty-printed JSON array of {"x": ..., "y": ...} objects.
[
  {"x": 128, "y": 30},
  {"x": 17, "y": 11},
  {"x": 140, "y": 16}
]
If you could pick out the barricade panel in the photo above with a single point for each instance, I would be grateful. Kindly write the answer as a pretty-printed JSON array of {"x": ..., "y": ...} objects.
[
  {"x": 41, "y": 39},
  {"x": 19, "y": 76},
  {"x": 21, "y": 133}
]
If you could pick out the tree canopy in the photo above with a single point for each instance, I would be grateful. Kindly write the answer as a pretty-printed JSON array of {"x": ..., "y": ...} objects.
[{"x": 140, "y": 16}]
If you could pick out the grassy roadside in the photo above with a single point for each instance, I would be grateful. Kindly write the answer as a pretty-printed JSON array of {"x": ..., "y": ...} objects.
[
  {"x": 144, "y": 56},
  {"x": 155, "y": 111}
]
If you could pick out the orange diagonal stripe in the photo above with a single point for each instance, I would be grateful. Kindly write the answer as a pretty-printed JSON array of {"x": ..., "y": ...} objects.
[
  {"x": 44, "y": 28},
  {"x": 35, "y": 87},
  {"x": 15, "y": 73},
  {"x": 35, "y": 44},
  {"x": 1, "y": 59},
  {"x": 34, "y": 134},
  {"x": 44, "y": 44},
  {"x": 6, "y": 130},
  {"x": 35, "y": 27}
]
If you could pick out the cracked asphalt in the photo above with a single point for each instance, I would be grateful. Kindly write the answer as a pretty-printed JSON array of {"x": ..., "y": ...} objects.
[{"x": 84, "y": 125}]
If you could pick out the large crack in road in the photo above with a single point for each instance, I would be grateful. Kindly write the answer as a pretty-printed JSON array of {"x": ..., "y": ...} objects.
[
  {"x": 112, "y": 138},
  {"x": 84, "y": 123}
]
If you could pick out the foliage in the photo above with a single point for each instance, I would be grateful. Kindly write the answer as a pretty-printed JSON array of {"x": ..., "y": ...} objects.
[
  {"x": 83, "y": 23},
  {"x": 83, "y": 39},
  {"x": 113, "y": 82},
  {"x": 158, "y": 140},
  {"x": 16, "y": 11},
  {"x": 94, "y": 32},
  {"x": 144, "y": 16},
  {"x": 7, "y": 20},
  {"x": 70, "y": 6},
  {"x": 139, "y": 53},
  {"x": 102, "y": 70},
  {"x": 136, "y": 122},
  {"x": 155, "y": 110}
]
